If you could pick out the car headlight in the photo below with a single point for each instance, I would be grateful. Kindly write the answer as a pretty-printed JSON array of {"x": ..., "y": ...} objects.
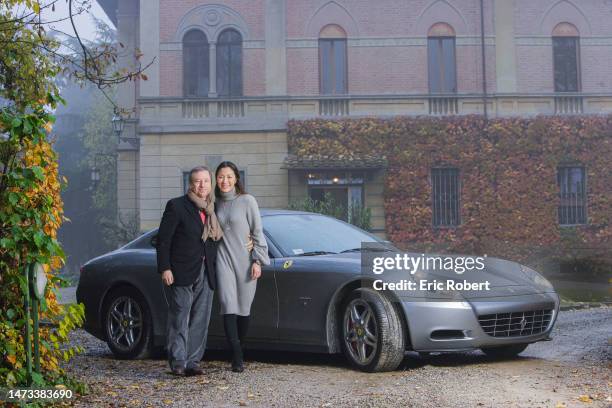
[{"x": 536, "y": 278}]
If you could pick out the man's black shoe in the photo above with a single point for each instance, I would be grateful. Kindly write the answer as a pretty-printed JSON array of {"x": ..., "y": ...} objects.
[
  {"x": 191, "y": 371},
  {"x": 178, "y": 371}
]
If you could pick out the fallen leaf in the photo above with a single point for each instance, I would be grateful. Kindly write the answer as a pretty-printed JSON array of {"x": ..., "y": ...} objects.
[
  {"x": 242, "y": 404},
  {"x": 167, "y": 401},
  {"x": 560, "y": 405},
  {"x": 585, "y": 398}
]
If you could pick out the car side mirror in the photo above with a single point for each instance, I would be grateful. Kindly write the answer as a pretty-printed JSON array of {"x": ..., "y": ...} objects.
[{"x": 154, "y": 241}]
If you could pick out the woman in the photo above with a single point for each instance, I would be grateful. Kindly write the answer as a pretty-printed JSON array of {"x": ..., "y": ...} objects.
[{"x": 237, "y": 268}]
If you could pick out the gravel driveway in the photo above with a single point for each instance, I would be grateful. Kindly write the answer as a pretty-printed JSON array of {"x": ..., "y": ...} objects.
[{"x": 573, "y": 370}]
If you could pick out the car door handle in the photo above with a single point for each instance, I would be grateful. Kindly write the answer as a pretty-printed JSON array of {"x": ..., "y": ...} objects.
[{"x": 304, "y": 300}]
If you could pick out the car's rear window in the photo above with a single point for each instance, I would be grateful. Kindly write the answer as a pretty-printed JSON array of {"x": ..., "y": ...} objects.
[{"x": 142, "y": 242}]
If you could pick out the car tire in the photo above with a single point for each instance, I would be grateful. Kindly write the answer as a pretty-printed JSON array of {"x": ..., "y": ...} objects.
[
  {"x": 373, "y": 335},
  {"x": 127, "y": 323},
  {"x": 505, "y": 351}
]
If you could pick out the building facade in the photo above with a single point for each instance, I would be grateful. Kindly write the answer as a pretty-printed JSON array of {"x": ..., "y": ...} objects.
[{"x": 227, "y": 76}]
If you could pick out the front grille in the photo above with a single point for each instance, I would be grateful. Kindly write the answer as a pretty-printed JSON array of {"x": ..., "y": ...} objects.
[{"x": 516, "y": 323}]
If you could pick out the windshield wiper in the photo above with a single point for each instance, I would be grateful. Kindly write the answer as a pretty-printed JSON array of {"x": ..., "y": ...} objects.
[
  {"x": 366, "y": 250},
  {"x": 311, "y": 253}
]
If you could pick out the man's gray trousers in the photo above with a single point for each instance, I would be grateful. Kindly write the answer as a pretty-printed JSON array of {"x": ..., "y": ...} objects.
[{"x": 188, "y": 319}]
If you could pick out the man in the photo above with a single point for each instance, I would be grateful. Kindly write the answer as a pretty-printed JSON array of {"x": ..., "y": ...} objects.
[{"x": 186, "y": 252}]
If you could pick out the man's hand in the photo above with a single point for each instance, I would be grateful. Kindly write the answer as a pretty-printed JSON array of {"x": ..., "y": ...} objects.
[
  {"x": 255, "y": 271},
  {"x": 249, "y": 244},
  {"x": 167, "y": 277}
]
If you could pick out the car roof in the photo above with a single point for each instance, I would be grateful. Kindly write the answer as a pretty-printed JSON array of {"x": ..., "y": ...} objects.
[{"x": 266, "y": 212}]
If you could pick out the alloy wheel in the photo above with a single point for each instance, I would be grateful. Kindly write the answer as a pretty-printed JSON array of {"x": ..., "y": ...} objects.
[
  {"x": 124, "y": 323},
  {"x": 360, "y": 331}
]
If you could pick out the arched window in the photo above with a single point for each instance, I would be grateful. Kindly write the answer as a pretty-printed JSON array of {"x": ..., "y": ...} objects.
[
  {"x": 441, "y": 60},
  {"x": 195, "y": 64},
  {"x": 566, "y": 58},
  {"x": 229, "y": 63},
  {"x": 332, "y": 61}
]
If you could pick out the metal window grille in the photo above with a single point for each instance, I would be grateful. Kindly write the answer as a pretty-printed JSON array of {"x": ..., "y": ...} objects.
[
  {"x": 572, "y": 195},
  {"x": 445, "y": 197}
]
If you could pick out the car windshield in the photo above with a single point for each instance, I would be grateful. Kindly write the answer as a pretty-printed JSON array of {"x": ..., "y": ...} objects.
[{"x": 311, "y": 234}]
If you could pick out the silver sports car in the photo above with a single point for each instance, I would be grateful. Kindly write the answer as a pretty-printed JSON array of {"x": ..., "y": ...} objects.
[{"x": 314, "y": 297}]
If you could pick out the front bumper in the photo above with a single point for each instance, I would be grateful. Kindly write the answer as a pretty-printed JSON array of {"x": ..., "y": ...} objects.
[{"x": 458, "y": 320}]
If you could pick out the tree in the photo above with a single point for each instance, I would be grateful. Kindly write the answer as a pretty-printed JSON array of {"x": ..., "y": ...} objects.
[
  {"x": 30, "y": 61},
  {"x": 30, "y": 56}
]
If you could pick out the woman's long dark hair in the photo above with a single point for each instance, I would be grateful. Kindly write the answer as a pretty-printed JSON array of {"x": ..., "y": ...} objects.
[{"x": 239, "y": 187}]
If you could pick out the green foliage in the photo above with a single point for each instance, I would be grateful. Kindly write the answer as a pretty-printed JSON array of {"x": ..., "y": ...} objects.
[
  {"x": 359, "y": 216},
  {"x": 32, "y": 213},
  {"x": 26, "y": 59},
  {"x": 509, "y": 193}
]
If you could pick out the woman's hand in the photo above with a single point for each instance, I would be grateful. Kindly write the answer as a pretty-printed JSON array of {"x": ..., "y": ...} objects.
[
  {"x": 255, "y": 270},
  {"x": 249, "y": 244}
]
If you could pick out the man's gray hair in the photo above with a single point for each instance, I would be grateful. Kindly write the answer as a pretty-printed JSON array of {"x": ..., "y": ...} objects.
[{"x": 198, "y": 169}]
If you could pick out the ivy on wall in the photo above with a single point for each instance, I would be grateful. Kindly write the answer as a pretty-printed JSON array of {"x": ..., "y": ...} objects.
[{"x": 508, "y": 175}]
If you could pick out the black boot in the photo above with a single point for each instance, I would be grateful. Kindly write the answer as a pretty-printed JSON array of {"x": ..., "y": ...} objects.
[
  {"x": 243, "y": 328},
  {"x": 231, "y": 332}
]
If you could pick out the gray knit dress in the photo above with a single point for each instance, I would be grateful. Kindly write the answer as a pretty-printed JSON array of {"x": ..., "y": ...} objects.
[{"x": 238, "y": 216}]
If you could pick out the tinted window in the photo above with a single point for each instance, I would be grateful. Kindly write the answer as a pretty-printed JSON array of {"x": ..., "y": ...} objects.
[
  {"x": 295, "y": 234},
  {"x": 142, "y": 242}
]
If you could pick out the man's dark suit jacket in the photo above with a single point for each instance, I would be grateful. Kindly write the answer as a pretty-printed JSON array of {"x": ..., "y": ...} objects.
[{"x": 179, "y": 243}]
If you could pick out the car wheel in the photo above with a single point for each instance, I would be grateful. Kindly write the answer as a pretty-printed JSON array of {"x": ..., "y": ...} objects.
[
  {"x": 505, "y": 351},
  {"x": 127, "y": 324},
  {"x": 372, "y": 331}
]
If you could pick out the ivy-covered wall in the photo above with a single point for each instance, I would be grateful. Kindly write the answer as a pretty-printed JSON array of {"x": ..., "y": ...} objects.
[{"x": 508, "y": 175}]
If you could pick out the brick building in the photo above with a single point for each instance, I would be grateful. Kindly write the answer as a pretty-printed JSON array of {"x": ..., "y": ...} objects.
[{"x": 228, "y": 75}]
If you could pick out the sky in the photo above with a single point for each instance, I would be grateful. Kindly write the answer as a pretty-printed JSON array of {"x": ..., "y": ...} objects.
[{"x": 83, "y": 22}]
